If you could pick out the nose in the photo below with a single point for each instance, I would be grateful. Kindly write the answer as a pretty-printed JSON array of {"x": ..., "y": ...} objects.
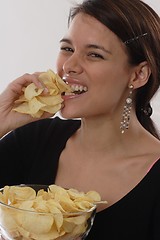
[{"x": 72, "y": 65}]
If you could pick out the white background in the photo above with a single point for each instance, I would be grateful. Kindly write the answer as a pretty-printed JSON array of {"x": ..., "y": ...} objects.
[{"x": 30, "y": 31}]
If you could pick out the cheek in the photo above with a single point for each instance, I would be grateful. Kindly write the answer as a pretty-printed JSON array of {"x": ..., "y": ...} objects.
[
  {"x": 110, "y": 85},
  {"x": 59, "y": 64}
]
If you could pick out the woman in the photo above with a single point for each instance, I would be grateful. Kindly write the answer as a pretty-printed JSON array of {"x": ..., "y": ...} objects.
[{"x": 110, "y": 54}]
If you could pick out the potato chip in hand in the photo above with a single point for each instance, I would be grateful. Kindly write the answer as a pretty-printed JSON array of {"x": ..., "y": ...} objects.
[{"x": 35, "y": 103}]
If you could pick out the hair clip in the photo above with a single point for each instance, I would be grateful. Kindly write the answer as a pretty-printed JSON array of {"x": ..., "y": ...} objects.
[{"x": 135, "y": 38}]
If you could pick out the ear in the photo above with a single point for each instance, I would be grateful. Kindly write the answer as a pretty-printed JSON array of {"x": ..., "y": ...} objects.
[{"x": 141, "y": 75}]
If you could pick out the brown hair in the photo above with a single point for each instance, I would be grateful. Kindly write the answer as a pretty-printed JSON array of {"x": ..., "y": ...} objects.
[{"x": 138, "y": 26}]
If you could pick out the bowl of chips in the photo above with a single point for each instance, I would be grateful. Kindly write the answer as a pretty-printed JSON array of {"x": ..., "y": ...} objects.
[{"x": 41, "y": 212}]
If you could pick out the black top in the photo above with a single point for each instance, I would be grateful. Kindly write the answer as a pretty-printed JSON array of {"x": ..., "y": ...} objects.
[{"x": 30, "y": 155}]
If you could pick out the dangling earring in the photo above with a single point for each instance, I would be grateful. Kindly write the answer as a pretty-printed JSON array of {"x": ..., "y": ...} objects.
[{"x": 127, "y": 111}]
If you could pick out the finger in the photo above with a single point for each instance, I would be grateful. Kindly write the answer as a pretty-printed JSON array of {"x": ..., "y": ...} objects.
[{"x": 17, "y": 85}]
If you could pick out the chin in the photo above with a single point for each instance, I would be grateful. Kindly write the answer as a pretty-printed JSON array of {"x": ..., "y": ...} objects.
[{"x": 64, "y": 113}]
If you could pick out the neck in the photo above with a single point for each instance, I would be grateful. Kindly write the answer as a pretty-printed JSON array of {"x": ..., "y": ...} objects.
[{"x": 102, "y": 136}]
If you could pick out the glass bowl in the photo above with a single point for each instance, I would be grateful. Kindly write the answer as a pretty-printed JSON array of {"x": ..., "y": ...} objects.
[{"x": 21, "y": 224}]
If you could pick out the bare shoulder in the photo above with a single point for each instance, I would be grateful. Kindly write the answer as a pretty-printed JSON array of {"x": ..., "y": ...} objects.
[
  {"x": 147, "y": 147},
  {"x": 147, "y": 154},
  {"x": 152, "y": 149}
]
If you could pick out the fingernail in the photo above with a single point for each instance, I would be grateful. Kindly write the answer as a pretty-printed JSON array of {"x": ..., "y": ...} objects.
[{"x": 45, "y": 90}]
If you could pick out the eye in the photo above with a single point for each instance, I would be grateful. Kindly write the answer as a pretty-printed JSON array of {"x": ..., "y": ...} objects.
[
  {"x": 95, "y": 55},
  {"x": 66, "y": 49}
]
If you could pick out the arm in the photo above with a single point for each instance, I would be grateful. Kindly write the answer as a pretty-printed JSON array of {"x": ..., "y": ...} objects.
[{"x": 10, "y": 120}]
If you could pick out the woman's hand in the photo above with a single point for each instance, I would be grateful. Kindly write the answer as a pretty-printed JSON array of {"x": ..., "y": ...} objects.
[{"x": 10, "y": 120}]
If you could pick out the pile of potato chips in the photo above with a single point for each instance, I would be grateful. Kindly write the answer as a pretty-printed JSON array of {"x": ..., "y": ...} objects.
[
  {"x": 55, "y": 213},
  {"x": 35, "y": 103}
]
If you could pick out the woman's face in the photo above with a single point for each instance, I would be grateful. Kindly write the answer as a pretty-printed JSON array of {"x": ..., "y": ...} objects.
[{"x": 93, "y": 61}]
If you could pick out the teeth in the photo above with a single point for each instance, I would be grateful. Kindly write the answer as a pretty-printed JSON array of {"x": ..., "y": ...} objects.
[
  {"x": 81, "y": 88},
  {"x": 78, "y": 88},
  {"x": 68, "y": 93}
]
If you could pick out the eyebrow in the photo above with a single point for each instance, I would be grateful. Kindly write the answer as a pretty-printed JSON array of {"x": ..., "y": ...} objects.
[{"x": 88, "y": 45}]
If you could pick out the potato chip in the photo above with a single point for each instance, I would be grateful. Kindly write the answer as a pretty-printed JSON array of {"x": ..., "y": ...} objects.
[
  {"x": 83, "y": 204},
  {"x": 53, "y": 234},
  {"x": 8, "y": 219},
  {"x": 51, "y": 79},
  {"x": 24, "y": 233},
  {"x": 14, "y": 194},
  {"x": 40, "y": 205},
  {"x": 76, "y": 219},
  {"x": 74, "y": 193},
  {"x": 57, "y": 190},
  {"x": 51, "y": 203},
  {"x": 43, "y": 222},
  {"x": 80, "y": 228},
  {"x": 31, "y": 91},
  {"x": 58, "y": 217},
  {"x": 35, "y": 103},
  {"x": 5, "y": 194},
  {"x": 94, "y": 196}
]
